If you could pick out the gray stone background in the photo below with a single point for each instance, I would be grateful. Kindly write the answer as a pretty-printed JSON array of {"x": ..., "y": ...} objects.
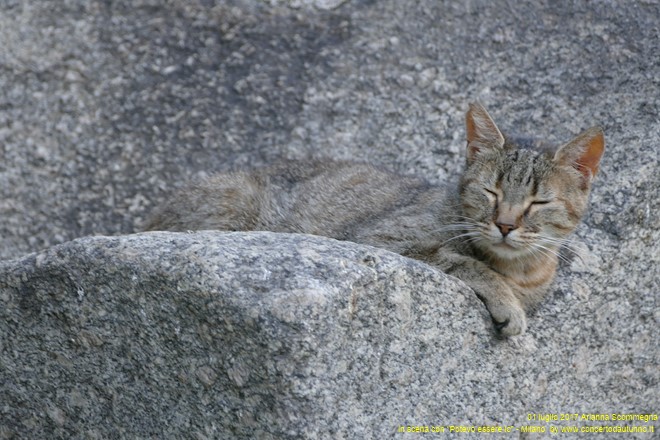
[{"x": 108, "y": 105}]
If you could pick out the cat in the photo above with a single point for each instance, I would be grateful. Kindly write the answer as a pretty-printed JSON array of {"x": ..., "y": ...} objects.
[{"x": 499, "y": 231}]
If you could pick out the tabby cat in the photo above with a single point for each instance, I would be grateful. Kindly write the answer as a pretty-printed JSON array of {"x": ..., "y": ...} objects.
[{"x": 500, "y": 231}]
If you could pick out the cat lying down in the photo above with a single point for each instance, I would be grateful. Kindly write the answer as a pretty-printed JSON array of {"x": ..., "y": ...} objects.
[{"x": 500, "y": 232}]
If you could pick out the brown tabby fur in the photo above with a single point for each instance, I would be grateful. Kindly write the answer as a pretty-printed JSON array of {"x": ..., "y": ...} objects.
[{"x": 500, "y": 232}]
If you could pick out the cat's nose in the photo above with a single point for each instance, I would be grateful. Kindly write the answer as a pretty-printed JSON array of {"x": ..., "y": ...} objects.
[{"x": 505, "y": 228}]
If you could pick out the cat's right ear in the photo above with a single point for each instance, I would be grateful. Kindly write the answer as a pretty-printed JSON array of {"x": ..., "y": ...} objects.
[{"x": 483, "y": 136}]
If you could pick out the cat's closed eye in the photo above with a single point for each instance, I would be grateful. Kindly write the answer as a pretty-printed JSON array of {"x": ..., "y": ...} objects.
[
  {"x": 536, "y": 204},
  {"x": 491, "y": 194}
]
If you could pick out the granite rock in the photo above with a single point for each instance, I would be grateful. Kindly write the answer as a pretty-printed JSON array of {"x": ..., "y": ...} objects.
[
  {"x": 263, "y": 335},
  {"x": 107, "y": 106},
  {"x": 231, "y": 335}
]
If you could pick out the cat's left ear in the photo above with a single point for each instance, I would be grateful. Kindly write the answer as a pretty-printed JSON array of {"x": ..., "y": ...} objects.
[{"x": 584, "y": 152}]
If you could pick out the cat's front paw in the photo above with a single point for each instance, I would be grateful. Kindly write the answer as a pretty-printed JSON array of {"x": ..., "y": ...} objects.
[{"x": 509, "y": 318}]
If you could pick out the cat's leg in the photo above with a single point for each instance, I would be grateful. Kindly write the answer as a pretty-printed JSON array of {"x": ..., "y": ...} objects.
[{"x": 505, "y": 308}]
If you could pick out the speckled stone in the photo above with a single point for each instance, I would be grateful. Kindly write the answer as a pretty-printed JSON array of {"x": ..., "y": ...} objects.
[
  {"x": 107, "y": 106},
  {"x": 229, "y": 335},
  {"x": 262, "y": 335}
]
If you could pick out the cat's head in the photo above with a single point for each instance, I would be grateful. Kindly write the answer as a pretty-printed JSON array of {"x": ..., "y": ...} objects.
[{"x": 519, "y": 201}]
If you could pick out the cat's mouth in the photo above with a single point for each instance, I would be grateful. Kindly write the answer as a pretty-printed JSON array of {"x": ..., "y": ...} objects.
[{"x": 505, "y": 245}]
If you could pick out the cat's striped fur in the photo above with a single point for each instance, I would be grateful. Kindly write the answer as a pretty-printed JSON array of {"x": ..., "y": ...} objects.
[{"x": 500, "y": 231}]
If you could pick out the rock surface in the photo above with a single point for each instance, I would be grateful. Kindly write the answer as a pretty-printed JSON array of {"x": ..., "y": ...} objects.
[
  {"x": 107, "y": 106},
  {"x": 231, "y": 335},
  {"x": 262, "y": 335}
]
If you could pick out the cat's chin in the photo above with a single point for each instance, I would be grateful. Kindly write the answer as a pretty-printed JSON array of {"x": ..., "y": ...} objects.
[{"x": 506, "y": 251}]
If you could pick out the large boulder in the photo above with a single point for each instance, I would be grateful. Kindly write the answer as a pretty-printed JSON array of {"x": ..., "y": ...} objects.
[
  {"x": 262, "y": 335},
  {"x": 212, "y": 335}
]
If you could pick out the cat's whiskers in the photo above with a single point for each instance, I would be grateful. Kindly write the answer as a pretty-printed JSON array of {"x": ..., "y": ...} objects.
[
  {"x": 465, "y": 225},
  {"x": 561, "y": 243},
  {"x": 539, "y": 253},
  {"x": 457, "y": 226},
  {"x": 473, "y": 234},
  {"x": 475, "y": 239},
  {"x": 550, "y": 251},
  {"x": 464, "y": 217}
]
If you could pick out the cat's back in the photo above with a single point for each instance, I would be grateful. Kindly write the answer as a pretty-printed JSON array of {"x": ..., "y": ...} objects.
[{"x": 338, "y": 199}]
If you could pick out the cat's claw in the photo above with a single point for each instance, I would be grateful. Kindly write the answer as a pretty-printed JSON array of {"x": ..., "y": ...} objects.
[
  {"x": 500, "y": 325},
  {"x": 509, "y": 320}
]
